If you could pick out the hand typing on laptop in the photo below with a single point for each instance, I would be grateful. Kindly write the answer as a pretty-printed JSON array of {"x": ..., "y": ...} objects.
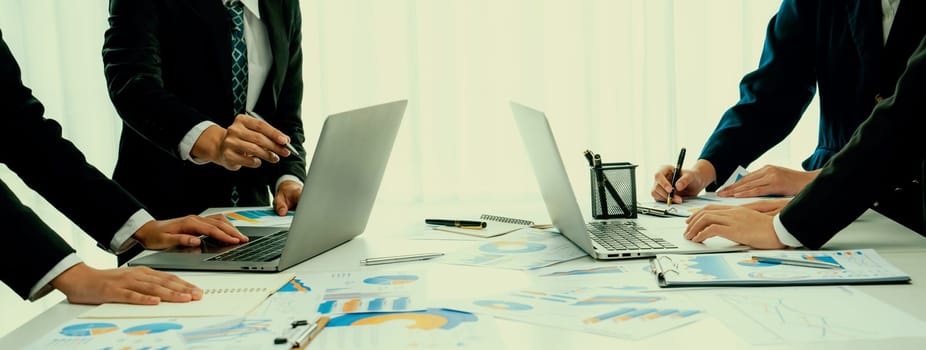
[{"x": 185, "y": 231}]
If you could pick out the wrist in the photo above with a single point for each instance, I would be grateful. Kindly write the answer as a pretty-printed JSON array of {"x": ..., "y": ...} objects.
[
  {"x": 705, "y": 170},
  {"x": 207, "y": 145},
  {"x": 70, "y": 277},
  {"x": 141, "y": 235}
]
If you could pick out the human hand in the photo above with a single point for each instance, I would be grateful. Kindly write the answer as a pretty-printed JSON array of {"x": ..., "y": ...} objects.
[
  {"x": 769, "y": 180},
  {"x": 185, "y": 231},
  {"x": 133, "y": 285},
  {"x": 736, "y": 223},
  {"x": 287, "y": 197},
  {"x": 768, "y": 206},
  {"x": 690, "y": 183},
  {"x": 244, "y": 144}
]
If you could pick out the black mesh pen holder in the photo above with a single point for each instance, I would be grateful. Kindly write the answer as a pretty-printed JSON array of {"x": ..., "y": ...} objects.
[{"x": 614, "y": 192}]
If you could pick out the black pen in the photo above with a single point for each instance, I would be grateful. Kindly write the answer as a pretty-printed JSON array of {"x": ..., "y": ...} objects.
[
  {"x": 288, "y": 145},
  {"x": 675, "y": 175},
  {"x": 470, "y": 224}
]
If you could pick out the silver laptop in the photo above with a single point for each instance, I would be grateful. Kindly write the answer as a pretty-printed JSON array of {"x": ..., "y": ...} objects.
[
  {"x": 613, "y": 239},
  {"x": 340, "y": 188}
]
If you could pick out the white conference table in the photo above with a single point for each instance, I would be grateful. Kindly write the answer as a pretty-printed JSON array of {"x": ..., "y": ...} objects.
[{"x": 389, "y": 227}]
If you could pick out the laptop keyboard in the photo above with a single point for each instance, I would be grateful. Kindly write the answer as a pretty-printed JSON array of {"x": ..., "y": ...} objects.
[
  {"x": 624, "y": 236},
  {"x": 266, "y": 248}
]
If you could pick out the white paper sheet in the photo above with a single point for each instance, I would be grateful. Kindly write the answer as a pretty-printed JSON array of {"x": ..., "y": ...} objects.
[
  {"x": 520, "y": 250},
  {"x": 806, "y": 314}
]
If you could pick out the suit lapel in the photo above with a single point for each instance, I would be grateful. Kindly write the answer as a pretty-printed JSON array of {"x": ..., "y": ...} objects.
[
  {"x": 214, "y": 18},
  {"x": 272, "y": 16},
  {"x": 864, "y": 18}
]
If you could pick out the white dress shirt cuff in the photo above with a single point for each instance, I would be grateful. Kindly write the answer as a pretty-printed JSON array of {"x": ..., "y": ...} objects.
[
  {"x": 123, "y": 240},
  {"x": 784, "y": 236},
  {"x": 286, "y": 178},
  {"x": 186, "y": 144},
  {"x": 43, "y": 287}
]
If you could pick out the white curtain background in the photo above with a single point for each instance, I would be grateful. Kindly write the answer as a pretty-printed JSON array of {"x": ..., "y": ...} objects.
[{"x": 634, "y": 80}]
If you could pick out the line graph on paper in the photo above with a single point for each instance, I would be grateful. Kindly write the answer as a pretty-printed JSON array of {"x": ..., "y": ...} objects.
[
  {"x": 782, "y": 315},
  {"x": 783, "y": 319}
]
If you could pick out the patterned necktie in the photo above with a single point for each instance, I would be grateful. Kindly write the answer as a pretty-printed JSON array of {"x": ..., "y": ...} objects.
[
  {"x": 239, "y": 71},
  {"x": 239, "y": 57}
]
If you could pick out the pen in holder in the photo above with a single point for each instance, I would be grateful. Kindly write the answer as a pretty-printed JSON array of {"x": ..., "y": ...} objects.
[{"x": 614, "y": 193}]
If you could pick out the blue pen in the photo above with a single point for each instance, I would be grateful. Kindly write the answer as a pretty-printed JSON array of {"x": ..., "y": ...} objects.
[{"x": 795, "y": 262}]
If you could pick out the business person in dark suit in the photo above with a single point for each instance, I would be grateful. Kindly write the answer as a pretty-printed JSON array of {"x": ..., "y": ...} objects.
[
  {"x": 182, "y": 75},
  {"x": 841, "y": 48},
  {"x": 33, "y": 148},
  {"x": 870, "y": 166}
]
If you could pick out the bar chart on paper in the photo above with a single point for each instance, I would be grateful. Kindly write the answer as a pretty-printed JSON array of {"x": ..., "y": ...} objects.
[
  {"x": 432, "y": 328},
  {"x": 362, "y": 303},
  {"x": 370, "y": 291},
  {"x": 258, "y": 217},
  {"x": 605, "y": 311}
]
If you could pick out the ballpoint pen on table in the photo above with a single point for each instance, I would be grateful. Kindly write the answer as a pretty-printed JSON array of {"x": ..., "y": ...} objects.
[
  {"x": 288, "y": 145},
  {"x": 794, "y": 262},
  {"x": 293, "y": 335},
  {"x": 399, "y": 258},
  {"x": 311, "y": 332},
  {"x": 470, "y": 224},
  {"x": 675, "y": 175}
]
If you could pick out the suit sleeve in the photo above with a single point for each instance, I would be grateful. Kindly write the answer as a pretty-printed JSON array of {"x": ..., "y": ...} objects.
[
  {"x": 133, "y": 75},
  {"x": 24, "y": 270},
  {"x": 772, "y": 98},
  {"x": 288, "y": 116},
  {"x": 33, "y": 148},
  {"x": 889, "y": 141}
]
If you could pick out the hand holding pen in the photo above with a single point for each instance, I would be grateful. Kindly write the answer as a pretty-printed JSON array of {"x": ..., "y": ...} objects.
[
  {"x": 287, "y": 144},
  {"x": 675, "y": 175},
  {"x": 248, "y": 142}
]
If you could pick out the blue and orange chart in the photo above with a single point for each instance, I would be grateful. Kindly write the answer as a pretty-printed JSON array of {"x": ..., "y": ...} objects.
[
  {"x": 519, "y": 250},
  {"x": 373, "y": 291},
  {"x": 512, "y": 247},
  {"x": 152, "y": 334},
  {"x": 430, "y": 319},
  {"x": 596, "y": 310},
  {"x": 391, "y": 279},
  {"x": 152, "y": 328},
  {"x": 258, "y": 217},
  {"x": 88, "y": 329},
  {"x": 294, "y": 286},
  {"x": 364, "y": 303},
  {"x": 649, "y": 314},
  {"x": 503, "y": 305},
  {"x": 432, "y": 328}
]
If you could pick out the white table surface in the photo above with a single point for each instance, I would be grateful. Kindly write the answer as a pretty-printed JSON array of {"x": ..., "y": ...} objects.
[{"x": 390, "y": 225}]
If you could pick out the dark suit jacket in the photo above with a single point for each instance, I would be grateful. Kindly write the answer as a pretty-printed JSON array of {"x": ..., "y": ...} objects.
[
  {"x": 885, "y": 145},
  {"x": 32, "y": 147},
  {"x": 168, "y": 68},
  {"x": 836, "y": 46}
]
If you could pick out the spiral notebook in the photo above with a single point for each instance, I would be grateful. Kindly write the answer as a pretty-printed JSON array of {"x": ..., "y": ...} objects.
[
  {"x": 749, "y": 269},
  {"x": 223, "y": 295},
  {"x": 495, "y": 226}
]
